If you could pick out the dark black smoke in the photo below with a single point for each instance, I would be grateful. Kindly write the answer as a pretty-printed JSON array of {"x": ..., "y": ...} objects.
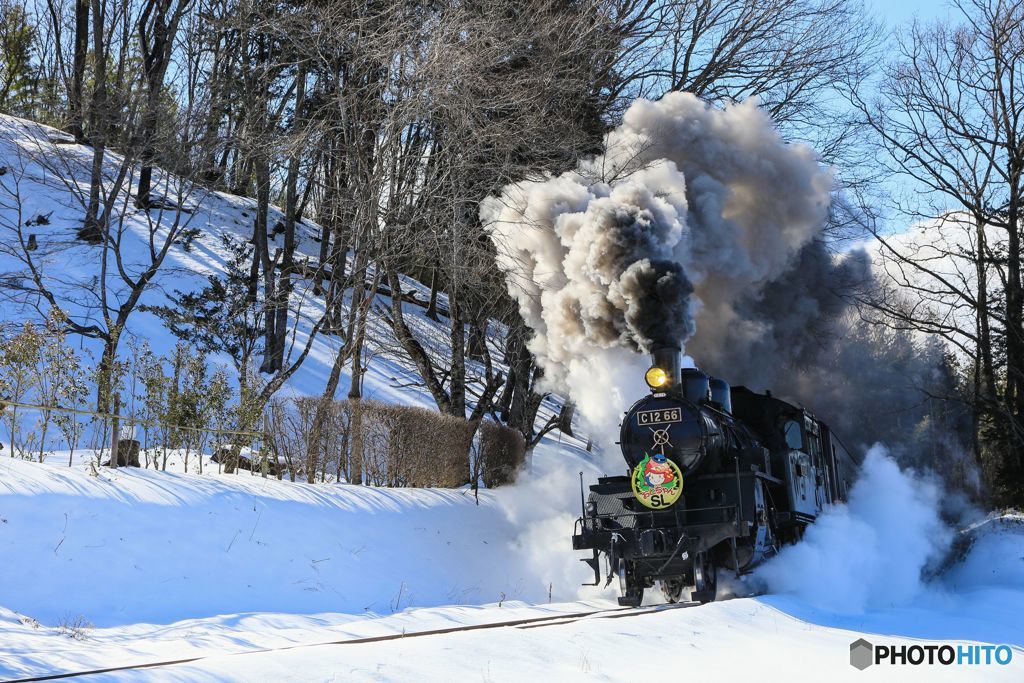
[
  {"x": 659, "y": 315},
  {"x": 788, "y": 321},
  {"x": 870, "y": 383}
]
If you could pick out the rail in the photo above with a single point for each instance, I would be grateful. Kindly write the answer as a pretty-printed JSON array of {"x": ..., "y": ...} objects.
[{"x": 534, "y": 622}]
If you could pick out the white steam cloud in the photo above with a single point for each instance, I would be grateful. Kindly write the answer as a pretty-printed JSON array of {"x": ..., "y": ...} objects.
[
  {"x": 690, "y": 208},
  {"x": 870, "y": 552}
]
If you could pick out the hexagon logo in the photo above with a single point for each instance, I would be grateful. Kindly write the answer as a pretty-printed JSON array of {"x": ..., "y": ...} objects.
[{"x": 861, "y": 654}]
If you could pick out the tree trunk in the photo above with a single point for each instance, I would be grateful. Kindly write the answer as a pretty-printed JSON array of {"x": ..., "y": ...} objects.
[
  {"x": 356, "y": 386},
  {"x": 115, "y": 437},
  {"x": 76, "y": 108},
  {"x": 984, "y": 373},
  {"x": 42, "y": 437},
  {"x": 165, "y": 28},
  {"x": 262, "y": 255},
  {"x": 457, "y": 385},
  {"x": 434, "y": 284},
  {"x": 338, "y": 260},
  {"x": 334, "y": 378},
  {"x": 1015, "y": 334},
  {"x": 284, "y": 288},
  {"x": 355, "y": 466},
  {"x": 414, "y": 349},
  {"x": 521, "y": 370},
  {"x": 476, "y": 348},
  {"x": 91, "y": 230}
]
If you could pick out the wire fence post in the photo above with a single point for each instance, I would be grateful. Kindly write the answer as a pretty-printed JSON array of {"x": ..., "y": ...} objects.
[
  {"x": 115, "y": 438},
  {"x": 263, "y": 446}
]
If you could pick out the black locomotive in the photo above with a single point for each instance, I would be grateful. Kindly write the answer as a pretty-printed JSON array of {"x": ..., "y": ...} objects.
[{"x": 717, "y": 477}]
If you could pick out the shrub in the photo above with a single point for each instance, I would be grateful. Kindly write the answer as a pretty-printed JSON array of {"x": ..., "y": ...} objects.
[
  {"x": 502, "y": 452},
  {"x": 370, "y": 442},
  {"x": 409, "y": 446}
]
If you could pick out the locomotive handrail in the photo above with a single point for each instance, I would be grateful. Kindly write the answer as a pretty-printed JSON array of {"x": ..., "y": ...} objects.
[{"x": 581, "y": 521}]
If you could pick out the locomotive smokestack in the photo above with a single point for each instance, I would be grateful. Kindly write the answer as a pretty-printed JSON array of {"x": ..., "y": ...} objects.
[{"x": 667, "y": 358}]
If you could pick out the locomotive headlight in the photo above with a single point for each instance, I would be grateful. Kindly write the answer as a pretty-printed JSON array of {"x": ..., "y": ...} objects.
[{"x": 656, "y": 377}]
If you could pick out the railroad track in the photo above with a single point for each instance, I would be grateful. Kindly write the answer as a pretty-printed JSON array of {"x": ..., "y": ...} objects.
[{"x": 534, "y": 622}]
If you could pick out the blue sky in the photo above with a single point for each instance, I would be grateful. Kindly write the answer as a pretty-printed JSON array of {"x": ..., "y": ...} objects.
[{"x": 895, "y": 12}]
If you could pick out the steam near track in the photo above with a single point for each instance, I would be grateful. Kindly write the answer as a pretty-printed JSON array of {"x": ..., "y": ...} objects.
[{"x": 872, "y": 550}]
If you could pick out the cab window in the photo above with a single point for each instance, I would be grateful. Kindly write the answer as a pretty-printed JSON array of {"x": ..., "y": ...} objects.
[{"x": 794, "y": 437}]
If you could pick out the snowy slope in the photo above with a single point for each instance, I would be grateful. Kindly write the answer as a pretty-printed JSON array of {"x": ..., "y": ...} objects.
[
  {"x": 133, "y": 545},
  {"x": 45, "y": 175},
  {"x": 168, "y": 566}
]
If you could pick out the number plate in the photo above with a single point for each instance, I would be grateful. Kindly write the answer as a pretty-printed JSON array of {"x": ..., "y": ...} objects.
[{"x": 659, "y": 417}]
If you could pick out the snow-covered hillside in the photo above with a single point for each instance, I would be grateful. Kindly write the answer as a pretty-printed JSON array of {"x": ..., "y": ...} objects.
[
  {"x": 45, "y": 175},
  {"x": 136, "y": 545}
]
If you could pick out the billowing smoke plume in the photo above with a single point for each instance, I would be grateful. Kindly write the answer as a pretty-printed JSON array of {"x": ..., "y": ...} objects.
[
  {"x": 870, "y": 383},
  {"x": 594, "y": 259},
  {"x": 688, "y": 199},
  {"x": 790, "y": 317}
]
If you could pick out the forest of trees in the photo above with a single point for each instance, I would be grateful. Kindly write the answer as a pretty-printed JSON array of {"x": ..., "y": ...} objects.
[{"x": 387, "y": 122}]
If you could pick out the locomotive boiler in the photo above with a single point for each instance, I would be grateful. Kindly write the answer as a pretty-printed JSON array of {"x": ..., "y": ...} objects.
[{"x": 717, "y": 477}]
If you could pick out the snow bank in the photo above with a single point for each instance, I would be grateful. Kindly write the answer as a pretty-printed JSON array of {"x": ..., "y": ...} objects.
[
  {"x": 995, "y": 558},
  {"x": 134, "y": 545}
]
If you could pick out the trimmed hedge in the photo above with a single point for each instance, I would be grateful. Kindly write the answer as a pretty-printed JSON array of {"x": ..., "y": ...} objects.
[
  {"x": 369, "y": 442},
  {"x": 502, "y": 453},
  {"x": 410, "y": 446}
]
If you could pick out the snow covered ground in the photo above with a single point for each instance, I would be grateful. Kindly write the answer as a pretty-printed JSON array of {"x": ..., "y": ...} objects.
[
  {"x": 734, "y": 640},
  {"x": 137, "y": 566},
  {"x": 134, "y": 545}
]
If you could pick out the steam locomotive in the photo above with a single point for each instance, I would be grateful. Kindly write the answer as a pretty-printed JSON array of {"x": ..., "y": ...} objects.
[{"x": 717, "y": 478}]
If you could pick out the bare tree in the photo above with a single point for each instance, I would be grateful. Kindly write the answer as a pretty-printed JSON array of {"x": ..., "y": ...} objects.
[
  {"x": 948, "y": 120},
  {"x": 790, "y": 54},
  {"x": 465, "y": 99},
  {"x": 76, "y": 105},
  {"x": 157, "y": 29},
  {"x": 131, "y": 251}
]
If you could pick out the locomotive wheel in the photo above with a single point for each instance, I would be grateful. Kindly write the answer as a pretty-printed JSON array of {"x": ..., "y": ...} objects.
[
  {"x": 631, "y": 589},
  {"x": 705, "y": 579},
  {"x": 672, "y": 589}
]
